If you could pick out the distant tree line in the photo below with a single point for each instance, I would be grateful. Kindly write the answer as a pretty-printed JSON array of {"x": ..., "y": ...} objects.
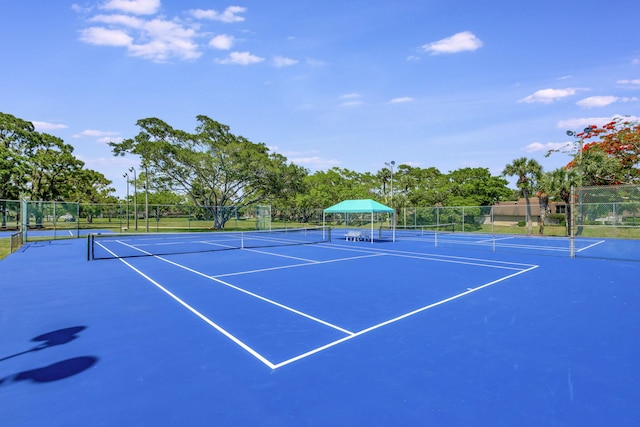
[{"x": 212, "y": 168}]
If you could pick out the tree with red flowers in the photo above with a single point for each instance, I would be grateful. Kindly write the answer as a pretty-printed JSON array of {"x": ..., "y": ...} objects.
[{"x": 608, "y": 155}]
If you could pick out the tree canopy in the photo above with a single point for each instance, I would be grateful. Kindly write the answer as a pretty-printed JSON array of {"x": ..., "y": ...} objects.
[
  {"x": 529, "y": 172},
  {"x": 606, "y": 155},
  {"x": 213, "y": 167},
  {"x": 40, "y": 166}
]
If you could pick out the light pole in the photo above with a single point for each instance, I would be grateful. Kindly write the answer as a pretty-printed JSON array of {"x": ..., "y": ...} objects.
[
  {"x": 586, "y": 131},
  {"x": 578, "y": 214},
  {"x": 146, "y": 198},
  {"x": 391, "y": 165},
  {"x": 135, "y": 195},
  {"x": 126, "y": 176}
]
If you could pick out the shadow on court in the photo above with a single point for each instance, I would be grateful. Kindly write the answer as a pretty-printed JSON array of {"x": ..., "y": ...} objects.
[{"x": 55, "y": 371}]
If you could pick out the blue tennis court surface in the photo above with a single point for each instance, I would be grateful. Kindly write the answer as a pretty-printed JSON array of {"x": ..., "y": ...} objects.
[{"x": 340, "y": 333}]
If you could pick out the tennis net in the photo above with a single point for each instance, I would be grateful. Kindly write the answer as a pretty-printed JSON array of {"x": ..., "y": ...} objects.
[
  {"x": 16, "y": 242},
  {"x": 387, "y": 232},
  {"x": 115, "y": 245}
]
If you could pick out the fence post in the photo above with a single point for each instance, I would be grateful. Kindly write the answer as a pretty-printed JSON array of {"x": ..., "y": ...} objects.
[{"x": 574, "y": 217}]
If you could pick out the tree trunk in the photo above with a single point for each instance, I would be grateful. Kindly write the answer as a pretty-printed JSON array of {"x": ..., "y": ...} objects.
[
  {"x": 4, "y": 214},
  {"x": 544, "y": 209},
  {"x": 528, "y": 207}
]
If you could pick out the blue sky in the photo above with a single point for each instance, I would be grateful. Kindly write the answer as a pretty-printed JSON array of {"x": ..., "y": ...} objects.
[{"x": 352, "y": 84}]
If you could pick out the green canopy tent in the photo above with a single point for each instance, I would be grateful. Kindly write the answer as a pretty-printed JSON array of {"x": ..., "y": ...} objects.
[{"x": 362, "y": 206}]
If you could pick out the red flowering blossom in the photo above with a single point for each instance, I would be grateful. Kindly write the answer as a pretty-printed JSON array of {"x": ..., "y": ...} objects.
[{"x": 615, "y": 142}]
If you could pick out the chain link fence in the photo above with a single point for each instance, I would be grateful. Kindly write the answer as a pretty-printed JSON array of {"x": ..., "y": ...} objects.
[
  {"x": 612, "y": 211},
  {"x": 9, "y": 215},
  {"x": 595, "y": 213}
]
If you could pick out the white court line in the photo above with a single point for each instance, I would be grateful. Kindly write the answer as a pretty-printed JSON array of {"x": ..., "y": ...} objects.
[
  {"x": 283, "y": 256},
  {"x": 350, "y": 335},
  {"x": 513, "y": 245},
  {"x": 200, "y": 315},
  {"x": 476, "y": 264},
  {"x": 282, "y": 267},
  {"x": 244, "y": 291},
  {"x": 590, "y": 246},
  {"x": 396, "y": 319},
  {"x": 433, "y": 257},
  {"x": 260, "y": 297}
]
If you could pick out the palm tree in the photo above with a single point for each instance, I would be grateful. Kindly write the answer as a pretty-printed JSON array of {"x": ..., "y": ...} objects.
[
  {"x": 558, "y": 183},
  {"x": 528, "y": 172},
  {"x": 384, "y": 176}
]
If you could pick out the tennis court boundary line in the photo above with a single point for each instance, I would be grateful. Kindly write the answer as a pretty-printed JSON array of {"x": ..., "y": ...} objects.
[
  {"x": 349, "y": 334},
  {"x": 398, "y": 318},
  {"x": 482, "y": 262}
]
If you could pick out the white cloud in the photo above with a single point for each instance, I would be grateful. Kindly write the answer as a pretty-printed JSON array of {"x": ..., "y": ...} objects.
[
  {"x": 316, "y": 63},
  {"x": 222, "y": 42},
  {"x": 229, "y": 15},
  {"x": 540, "y": 147},
  {"x": 602, "y": 101},
  {"x": 314, "y": 162},
  {"x": 167, "y": 39},
  {"x": 632, "y": 83},
  {"x": 136, "y": 7},
  {"x": 351, "y": 103},
  {"x": 460, "y": 42},
  {"x": 282, "y": 61},
  {"x": 547, "y": 96},
  {"x": 119, "y": 20},
  {"x": 352, "y": 95},
  {"x": 44, "y": 126},
  {"x": 401, "y": 100},
  {"x": 80, "y": 9},
  {"x": 94, "y": 133},
  {"x": 155, "y": 38},
  {"x": 310, "y": 159},
  {"x": 105, "y": 37},
  {"x": 580, "y": 123},
  {"x": 351, "y": 100},
  {"x": 107, "y": 139},
  {"x": 241, "y": 58}
]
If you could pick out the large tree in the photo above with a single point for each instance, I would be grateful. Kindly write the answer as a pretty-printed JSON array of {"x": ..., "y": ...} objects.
[
  {"x": 558, "y": 184},
  {"x": 476, "y": 187},
  {"x": 213, "y": 167},
  {"x": 528, "y": 172},
  {"x": 16, "y": 136},
  {"x": 40, "y": 166},
  {"x": 606, "y": 155}
]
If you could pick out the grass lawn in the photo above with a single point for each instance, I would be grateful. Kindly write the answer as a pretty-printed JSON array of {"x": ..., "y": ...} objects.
[{"x": 4, "y": 247}]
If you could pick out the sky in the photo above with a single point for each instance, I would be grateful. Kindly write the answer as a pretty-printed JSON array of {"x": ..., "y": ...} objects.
[{"x": 351, "y": 84}]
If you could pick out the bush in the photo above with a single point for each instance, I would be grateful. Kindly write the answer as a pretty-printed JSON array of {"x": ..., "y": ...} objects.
[{"x": 557, "y": 219}]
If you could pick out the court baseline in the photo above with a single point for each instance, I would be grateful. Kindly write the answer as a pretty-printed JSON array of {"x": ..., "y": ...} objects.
[{"x": 518, "y": 269}]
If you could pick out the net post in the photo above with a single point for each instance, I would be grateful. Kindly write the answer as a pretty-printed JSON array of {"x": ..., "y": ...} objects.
[
  {"x": 326, "y": 233},
  {"x": 24, "y": 219},
  {"x": 78, "y": 220},
  {"x": 89, "y": 245}
]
